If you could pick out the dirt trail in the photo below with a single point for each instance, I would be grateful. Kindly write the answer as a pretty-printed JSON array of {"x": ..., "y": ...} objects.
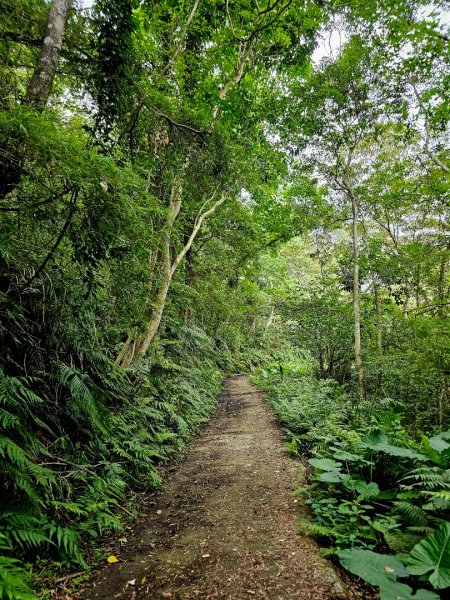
[{"x": 226, "y": 524}]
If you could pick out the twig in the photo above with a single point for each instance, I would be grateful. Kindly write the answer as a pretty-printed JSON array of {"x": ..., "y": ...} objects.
[
  {"x": 72, "y": 464},
  {"x": 69, "y": 577}
]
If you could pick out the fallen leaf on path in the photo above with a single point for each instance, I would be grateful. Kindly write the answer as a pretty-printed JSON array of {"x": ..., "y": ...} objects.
[
  {"x": 131, "y": 582},
  {"x": 205, "y": 555},
  {"x": 112, "y": 559}
]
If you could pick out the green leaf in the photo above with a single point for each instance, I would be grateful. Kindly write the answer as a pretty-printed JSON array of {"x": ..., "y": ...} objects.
[
  {"x": 376, "y": 569},
  {"x": 433, "y": 554},
  {"x": 330, "y": 477},
  {"x": 377, "y": 441},
  {"x": 325, "y": 464},
  {"x": 441, "y": 442},
  {"x": 393, "y": 590},
  {"x": 382, "y": 571},
  {"x": 367, "y": 490},
  {"x": 343, "y": 455}
]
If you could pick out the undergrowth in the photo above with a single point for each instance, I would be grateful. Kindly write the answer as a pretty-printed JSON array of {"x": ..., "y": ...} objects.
[
  {"x": 78, "y": 438},
  {"x": 380, "y": 497}
]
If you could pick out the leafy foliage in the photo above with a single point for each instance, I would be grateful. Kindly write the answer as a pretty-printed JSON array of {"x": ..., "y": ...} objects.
[
  {"x": 367, "y": 492},
  {"x": 177, "y": 208}
]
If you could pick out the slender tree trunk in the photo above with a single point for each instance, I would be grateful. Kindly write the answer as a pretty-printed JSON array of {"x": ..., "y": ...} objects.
[
  {"x": 124, "y": 350},
  {"x": 441, "y": 291},
  {"x": 158, "y": 307},
  {"x": 38, "y": 91},
  {"x": 379, "y": 319},
  {"x": 169, "y": 269},
  {"x": 376, "y": 292},
  {"x": 41, "y": 83},
  {"x": 357, "y": 299},
  {"x": 189, "y": 276},
  {"x": 271, "y": 318},
  {"x": 441, "y": 398},
  {"x": 407, "y": 296},
  {"x": 168, "y": 273}
]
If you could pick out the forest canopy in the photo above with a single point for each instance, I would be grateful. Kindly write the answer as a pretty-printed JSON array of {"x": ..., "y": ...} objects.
[{"x": 189, "y": 189}]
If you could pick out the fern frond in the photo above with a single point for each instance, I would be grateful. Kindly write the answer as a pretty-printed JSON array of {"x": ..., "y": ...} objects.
[
  {"x": 412, "y": 513},
  {"x": 400, "y": 541},
  {"x": 14, "y": 581}
]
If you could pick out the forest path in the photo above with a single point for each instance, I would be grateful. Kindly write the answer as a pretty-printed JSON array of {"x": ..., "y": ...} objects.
[{"x": 225, "y": 525}]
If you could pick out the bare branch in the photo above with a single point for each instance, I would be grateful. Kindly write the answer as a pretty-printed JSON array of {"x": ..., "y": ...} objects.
[{"x": 197, "y": 225}]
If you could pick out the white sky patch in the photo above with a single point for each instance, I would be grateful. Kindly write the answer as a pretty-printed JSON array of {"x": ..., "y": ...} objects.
[
  {"x": 330, "y": 45},
  {"x": 332, "y": 39},
  {"x": 444, "y": 15}
]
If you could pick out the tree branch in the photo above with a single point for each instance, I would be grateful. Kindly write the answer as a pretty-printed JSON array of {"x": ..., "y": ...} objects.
[
  {"x": 197, "y": 225},
  {"x": 57, "y": 242}
]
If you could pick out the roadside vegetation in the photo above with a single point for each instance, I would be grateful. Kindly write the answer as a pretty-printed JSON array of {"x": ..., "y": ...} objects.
[{"x": 189, "y": 189}]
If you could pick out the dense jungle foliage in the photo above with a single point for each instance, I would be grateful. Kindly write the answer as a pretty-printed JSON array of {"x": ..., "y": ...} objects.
[{"x": 189, "y": 189}]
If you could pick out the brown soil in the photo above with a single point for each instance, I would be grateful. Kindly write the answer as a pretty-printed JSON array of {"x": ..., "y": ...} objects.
[{"x": 226, "y": 524}]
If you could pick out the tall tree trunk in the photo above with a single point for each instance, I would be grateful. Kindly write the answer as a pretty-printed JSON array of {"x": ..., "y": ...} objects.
[
  {"x": 379, "y": 318},
  {"x": 189, "y": 276},
  {"x": 417, "y": 286},
  {"x": 376, "y": 293},
  {"x": 441, "y": 287},
  {"x": 41, "y": 83},
  {"x": 38, "y": 92},
  {"x": 158, "y": 307},
  {"x": 169, "y": 269},
  {"x": 357, "y": 299}
]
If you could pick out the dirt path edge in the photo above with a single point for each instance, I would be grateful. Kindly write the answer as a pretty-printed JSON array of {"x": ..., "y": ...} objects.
[{"x": 225, "y": 526}]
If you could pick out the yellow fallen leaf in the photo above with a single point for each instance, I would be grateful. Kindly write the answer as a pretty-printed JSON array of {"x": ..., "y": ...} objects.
[
  {"x": 143, "y": 580},
  {"x": 158, "y": 512},
  {"x": 112, "y": 559},
  {"x": 131, "y": 582},
  {"x": 205, "y": 555}
]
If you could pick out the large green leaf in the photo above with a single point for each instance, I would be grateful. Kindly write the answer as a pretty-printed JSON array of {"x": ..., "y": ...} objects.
[
  {"x": 330, "y": 477},
  {"x": 433, "y": 554},
  {"x": 367, "y": 490},
  {"x": 393, "y": 590},
  {"x": 325, "y": 464},
  {"x": 376, "y": 569},
  {"x": 382, "y": 571},
  {"x": 441, "y": 442},
  {"x": 377, "y": 441}
]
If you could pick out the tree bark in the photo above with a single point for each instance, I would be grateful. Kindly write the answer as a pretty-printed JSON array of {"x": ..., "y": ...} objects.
[
  {"x": 168, "y": 274},
  {"x": 376, "y": 293},
  {"x": 379, "y": 318},
  {"x": 357, "y": 298},
  {"x": 356, "y": 289},
  {"x": 41, "y": 83},
  {"x": 38, "y": 92},
  {"x": 441, "y": 291},
  {"x": 129, "y": 355},
  {"x": 158, "y": 307}
]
